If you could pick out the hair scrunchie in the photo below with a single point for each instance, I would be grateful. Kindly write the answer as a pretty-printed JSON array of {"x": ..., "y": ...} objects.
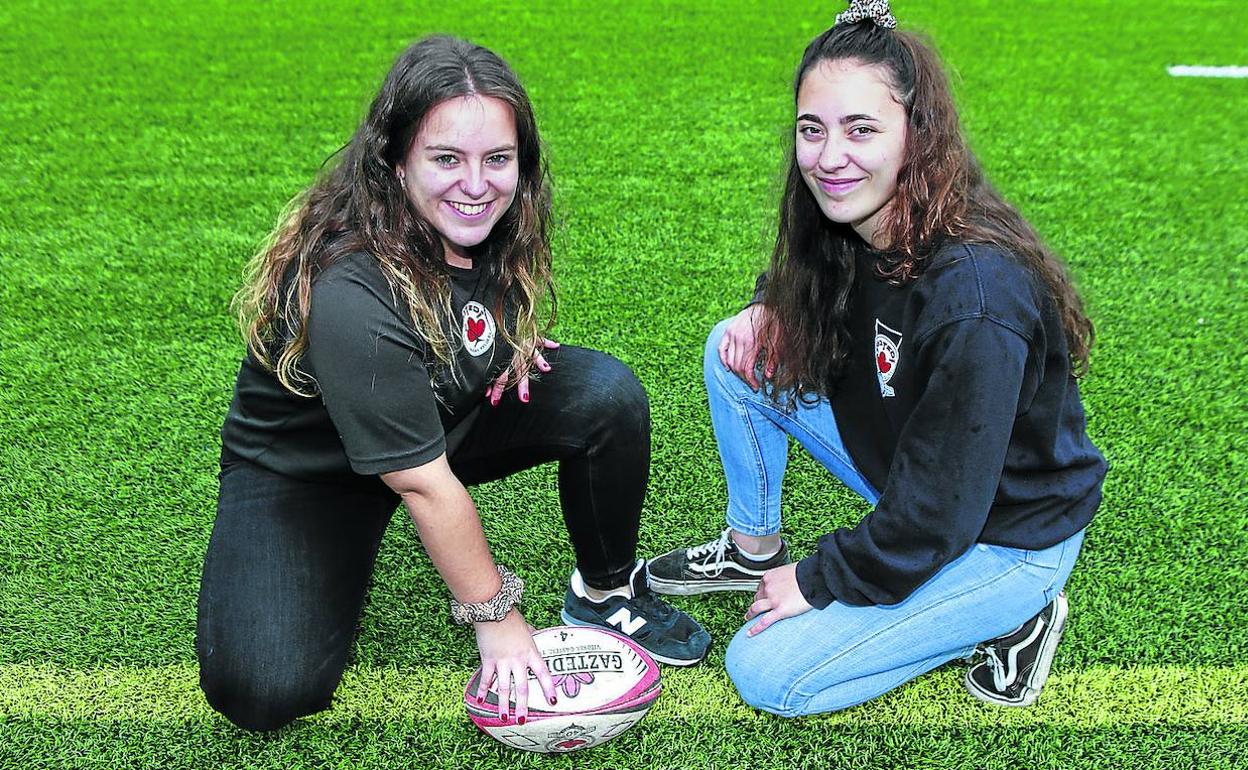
[{"x": 875, "y": 10}]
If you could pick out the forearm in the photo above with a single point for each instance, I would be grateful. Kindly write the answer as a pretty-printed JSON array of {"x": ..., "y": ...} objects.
[{"x": 450, "y": 530}]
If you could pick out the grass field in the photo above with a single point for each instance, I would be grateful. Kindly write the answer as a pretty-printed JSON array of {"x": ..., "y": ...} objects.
[{"x": 146, "y": 151}]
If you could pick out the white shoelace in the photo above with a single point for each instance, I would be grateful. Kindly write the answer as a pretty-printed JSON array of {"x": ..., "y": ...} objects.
[
  {"x": 711, "y": 553},
  {"x": 998, "y": 669}
]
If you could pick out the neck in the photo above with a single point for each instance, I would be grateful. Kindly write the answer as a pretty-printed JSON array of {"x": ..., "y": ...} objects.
[
  {"x": 455, "y": 256},
  {"x": 869, "y": 228}
]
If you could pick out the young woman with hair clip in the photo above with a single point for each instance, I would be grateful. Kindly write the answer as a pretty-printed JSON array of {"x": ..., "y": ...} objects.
[
  {"x": 386, "y": 322},
  {"x": 918, "y": 338}
]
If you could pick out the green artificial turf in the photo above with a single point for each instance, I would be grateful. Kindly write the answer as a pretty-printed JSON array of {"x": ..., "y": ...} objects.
[{"x": 147, "y": 150}]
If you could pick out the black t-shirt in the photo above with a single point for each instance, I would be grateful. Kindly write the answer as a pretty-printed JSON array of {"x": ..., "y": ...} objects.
[
  {"x": 958, "y": 404},
  {"x": 383, "y": 403}
]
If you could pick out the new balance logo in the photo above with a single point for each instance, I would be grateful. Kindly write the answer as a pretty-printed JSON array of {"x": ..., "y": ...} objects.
[{"x": 624, "y": 620}]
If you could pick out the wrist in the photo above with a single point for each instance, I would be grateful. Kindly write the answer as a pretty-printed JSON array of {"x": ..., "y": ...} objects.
[{"x": 496, "y": 607}]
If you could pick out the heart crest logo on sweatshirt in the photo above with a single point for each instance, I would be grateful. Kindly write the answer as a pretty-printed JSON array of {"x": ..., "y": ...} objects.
[
  {"x": 477, "y": 327},
  {"x": 887, "y": 356}
]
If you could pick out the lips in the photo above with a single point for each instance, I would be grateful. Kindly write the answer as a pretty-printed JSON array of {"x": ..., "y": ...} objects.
[{"x": 838, "y": 186}]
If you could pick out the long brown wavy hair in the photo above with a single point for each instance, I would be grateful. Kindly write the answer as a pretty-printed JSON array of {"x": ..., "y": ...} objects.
[
  {"x": 358, "y": 205},
  {"x": 942, "y": 196}
]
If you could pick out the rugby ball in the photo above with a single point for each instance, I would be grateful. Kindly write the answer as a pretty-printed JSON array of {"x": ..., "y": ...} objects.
[{"x": 604, "y": 683}]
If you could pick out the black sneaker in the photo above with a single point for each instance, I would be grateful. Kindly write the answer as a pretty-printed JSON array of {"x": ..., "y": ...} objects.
[
  {"x": 1016, "y": 665},
  {"x": 714, "y": 566},
  {"x": 669, "y": 635}
]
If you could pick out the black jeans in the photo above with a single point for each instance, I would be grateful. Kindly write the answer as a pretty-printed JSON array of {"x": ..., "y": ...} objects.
[{"x": 289, "y": 560}]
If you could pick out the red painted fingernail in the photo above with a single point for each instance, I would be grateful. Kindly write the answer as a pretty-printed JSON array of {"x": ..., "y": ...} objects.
[
  {"x": 553, "y": 701},
  {"x": 525, "y": 398}
]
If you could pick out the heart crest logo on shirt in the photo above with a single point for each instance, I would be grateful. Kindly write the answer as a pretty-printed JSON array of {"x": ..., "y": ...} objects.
[
  {"x": 477, "y": 327},
  {"x": 887, "y": 356}
]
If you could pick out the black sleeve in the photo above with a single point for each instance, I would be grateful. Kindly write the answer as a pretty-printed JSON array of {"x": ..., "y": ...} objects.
[
  {"x": 760, "y": 288},
  {"x": 369, "y": 367},
  {"x": 943, "y": 477}
]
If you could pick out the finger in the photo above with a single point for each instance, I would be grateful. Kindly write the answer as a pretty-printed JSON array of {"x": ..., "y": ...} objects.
[
  {"x": 544, "y": 679},
  {"x": 483, "y": 686},
  {"x": 723, "y": 352},
  {"x": 540, "y": 363},
  {"x": 757, "y": 608},
  {"x": 550, "y": 344},
  {"x": 747, "y": 367},
  {"x": 504, "y": 693},
  {"x": 522, "y": 390},
  {"x": 763, "y": 623},
  {"x": 743, "y": 364},
  {"x": 522, "y": 694},
  {"x": 500, "y": 385}
]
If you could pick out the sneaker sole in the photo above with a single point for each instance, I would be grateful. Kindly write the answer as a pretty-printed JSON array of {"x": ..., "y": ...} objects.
[
  {"x": 695, "y": 587},
  {"x": 1040, "y": 673},
  {"x": 574, "y": 621}
]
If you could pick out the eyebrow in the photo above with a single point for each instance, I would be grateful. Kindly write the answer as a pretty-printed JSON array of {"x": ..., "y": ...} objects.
[
  {"x": 843, "y": 121},
  {"x": 449, "y": 148}
]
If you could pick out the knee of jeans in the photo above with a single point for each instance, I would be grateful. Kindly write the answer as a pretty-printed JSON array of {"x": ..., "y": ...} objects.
[
  {"x": 617, "y": 403},
  {"x": 710, "y": 352},
  {"x": 256, "y": 702},
  {"x": 753, "y": 669},
  {"x": 714, "y": 373}
]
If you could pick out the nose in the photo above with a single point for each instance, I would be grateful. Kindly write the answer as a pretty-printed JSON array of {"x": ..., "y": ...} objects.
[
  {"x": 834, "y": 155},
  {"x": 473, "y": 184}
]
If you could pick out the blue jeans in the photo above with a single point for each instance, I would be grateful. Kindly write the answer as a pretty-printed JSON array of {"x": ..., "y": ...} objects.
[{"x": 843, "y": 655}]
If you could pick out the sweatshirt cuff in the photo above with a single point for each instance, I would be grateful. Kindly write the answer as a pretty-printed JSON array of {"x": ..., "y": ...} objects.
[{"x": 810, "y": 583}]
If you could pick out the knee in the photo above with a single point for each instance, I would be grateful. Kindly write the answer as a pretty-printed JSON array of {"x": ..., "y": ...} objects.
[
  {"x": 254, "y": 701},
  {"x": 710, "y": 352},
  {"x": 759, "y": 677},
  {"x": 720, "y": 381},
  {"x": 615, "y": 399}
]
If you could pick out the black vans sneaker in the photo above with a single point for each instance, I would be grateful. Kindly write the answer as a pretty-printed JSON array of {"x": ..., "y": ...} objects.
[
  {"x": 669, "y": 635},
  {"x": 1016, "y": 665},
  {"x": 715, "y": 566}
]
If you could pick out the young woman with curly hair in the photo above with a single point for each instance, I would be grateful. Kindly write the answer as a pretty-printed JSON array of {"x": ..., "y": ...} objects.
[
  {"x": 918, "y": 338},
  {"x": 387, "y": 322}
]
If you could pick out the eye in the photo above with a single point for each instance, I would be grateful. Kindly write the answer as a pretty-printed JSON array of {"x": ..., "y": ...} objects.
[
  {"x": 862, "y": 131},
  {"x": 446, "y": 161},
  {"x": 810, "y": 131},
  {"x": 498, "y": 159}
]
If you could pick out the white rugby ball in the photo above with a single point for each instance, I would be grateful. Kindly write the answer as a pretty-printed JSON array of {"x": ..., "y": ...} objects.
[{"x": 604, "y": 682}]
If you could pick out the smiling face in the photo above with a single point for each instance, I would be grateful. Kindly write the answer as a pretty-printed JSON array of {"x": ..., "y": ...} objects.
[
  {"x": 461, "y": 172},
  {"x": 851, "y": 138}
]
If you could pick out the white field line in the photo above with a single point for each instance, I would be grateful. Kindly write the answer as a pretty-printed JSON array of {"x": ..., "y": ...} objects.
[
  {"x": 1196, "y": 71},
  {"x": 1098, "y": 696}
]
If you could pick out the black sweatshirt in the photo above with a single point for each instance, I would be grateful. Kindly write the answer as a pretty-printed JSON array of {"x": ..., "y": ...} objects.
[{"x": 957, "y": 402}]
